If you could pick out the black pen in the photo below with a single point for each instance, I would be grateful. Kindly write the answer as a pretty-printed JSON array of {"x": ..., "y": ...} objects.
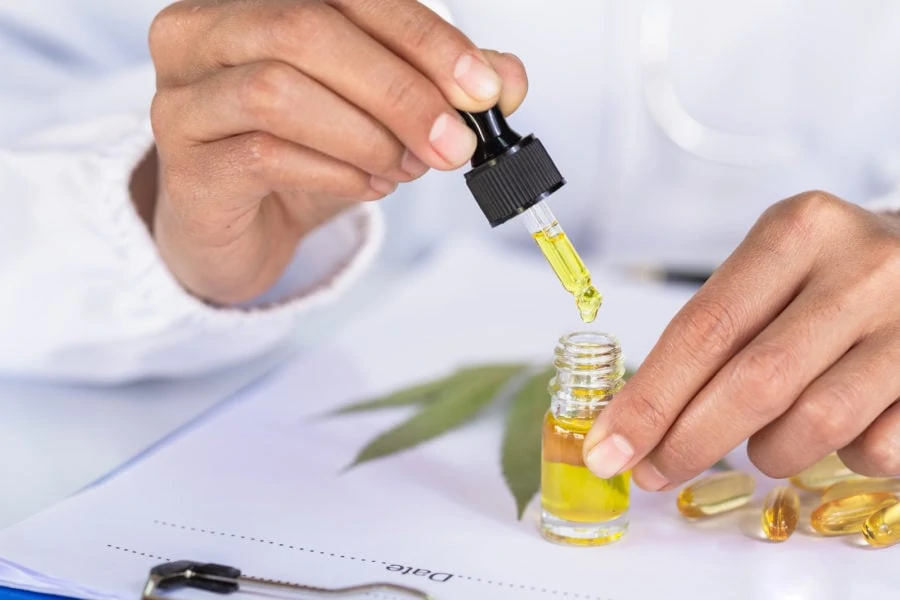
[{"x": 670, "y": 274}]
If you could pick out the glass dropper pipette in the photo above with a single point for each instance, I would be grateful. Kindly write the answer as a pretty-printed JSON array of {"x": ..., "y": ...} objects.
[{"x": 511, "y": 177}]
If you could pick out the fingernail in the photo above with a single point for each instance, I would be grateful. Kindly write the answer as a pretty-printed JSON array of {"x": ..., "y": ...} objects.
[
  {"x": 382, "y": 186},
  {"x": 476, "y": 78},
  {"x": 412, "y": 165},
  {"x": 649, "y": 477},
  {"x": 609, "y": 456},
  {"x": 452, "y": 139}
]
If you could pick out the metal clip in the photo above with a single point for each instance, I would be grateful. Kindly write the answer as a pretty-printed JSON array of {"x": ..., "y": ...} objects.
[{"x": 222, "y": 579}]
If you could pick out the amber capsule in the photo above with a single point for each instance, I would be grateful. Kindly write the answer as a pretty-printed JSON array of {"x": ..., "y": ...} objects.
[
  {"x": 866, "y": 485},
  {"x": 715, "y": 494},
  {"x": 847, "y": 515},
  {"x": 823, "y": 474},
  {"x": 882, "y": 528},
  {"x": 781, "y": 512}
]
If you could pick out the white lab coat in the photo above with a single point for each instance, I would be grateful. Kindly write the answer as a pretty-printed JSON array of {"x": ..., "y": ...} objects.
[
  {"x": 676, "y": 123},
  {"x": 671, "y": 151}
]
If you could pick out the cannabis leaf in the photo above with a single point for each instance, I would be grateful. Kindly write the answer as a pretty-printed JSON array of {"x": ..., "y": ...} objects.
[
  {"x": 458, "y": 400},
  {"x": 521, "y": 454},
  {"x": 427, "y": 391},
  {"x": 416, "y": 394},
  {"x": 722, "y": 465},
  {"x": 451, "y": 401}
]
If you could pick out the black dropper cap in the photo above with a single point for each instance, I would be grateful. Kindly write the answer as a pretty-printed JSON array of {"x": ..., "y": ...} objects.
[{"x": 510, "y": 173}]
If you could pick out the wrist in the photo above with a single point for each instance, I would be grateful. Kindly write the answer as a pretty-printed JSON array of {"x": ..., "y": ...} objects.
[{"x": 227, "y": 270}]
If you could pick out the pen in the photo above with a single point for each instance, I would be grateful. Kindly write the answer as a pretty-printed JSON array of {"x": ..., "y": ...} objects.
[{"x": 670, "y": 274}]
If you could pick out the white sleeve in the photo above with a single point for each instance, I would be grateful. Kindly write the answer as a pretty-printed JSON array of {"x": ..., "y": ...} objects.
[{"x": 84, "y": 295}]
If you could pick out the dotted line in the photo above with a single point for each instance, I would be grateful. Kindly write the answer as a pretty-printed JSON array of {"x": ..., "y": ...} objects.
[
  {"x": 136, "y": 553},
  {"x": 269, "y": 542},
  {"x": 368, "y": 560}
]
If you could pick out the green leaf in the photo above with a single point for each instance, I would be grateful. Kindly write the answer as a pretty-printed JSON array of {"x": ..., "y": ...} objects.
[
  {"x": 618, "y": 484},
  {"x": 521, "y": 453},
  {"x": 416, "y": 394},
  {"x": 423, "y": 392},
  {"x": 454, "y": 405},
  {"x": 722, "y": 465}
]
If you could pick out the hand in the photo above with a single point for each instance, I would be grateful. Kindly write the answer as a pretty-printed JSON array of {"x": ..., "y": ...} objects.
[
  {"x": 793, "y": 343},
  {"x": 272, "y": 116}
]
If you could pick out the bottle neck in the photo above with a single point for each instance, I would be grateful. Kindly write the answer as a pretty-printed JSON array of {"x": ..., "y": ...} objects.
[{"x": 589, "y": 371}]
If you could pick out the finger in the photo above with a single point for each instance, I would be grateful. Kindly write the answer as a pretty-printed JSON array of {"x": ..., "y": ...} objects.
[
  {"x": 515, "y": 80},
  {"x": 833, "y": 410},
  {"x": 436, "y": 48},
  {"x": 264, "y": 96},
  {"x": 758, "y": 384},
  {"x": 242, "y": 169},
  {"x": 318, "y": 40},
  {"x": 744, "y": 295},
  {"x": 876, "y": 453}
]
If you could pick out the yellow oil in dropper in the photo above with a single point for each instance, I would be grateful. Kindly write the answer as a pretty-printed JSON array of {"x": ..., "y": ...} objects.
[
  {"x": 511, "y": 176},
  {"x": 565, "y": 261}
]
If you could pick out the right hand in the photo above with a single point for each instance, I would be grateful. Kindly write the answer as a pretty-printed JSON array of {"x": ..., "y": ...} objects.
[{"x": 272, "y": 116}]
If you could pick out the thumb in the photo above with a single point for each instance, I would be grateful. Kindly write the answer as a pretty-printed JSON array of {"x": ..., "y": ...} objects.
[
  {"x": 514, "y": 80},
  {"x": 627, "y": 430}
]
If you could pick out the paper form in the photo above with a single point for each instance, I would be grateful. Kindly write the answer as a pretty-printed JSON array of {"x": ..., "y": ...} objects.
[{"x": 261, "y": 484}]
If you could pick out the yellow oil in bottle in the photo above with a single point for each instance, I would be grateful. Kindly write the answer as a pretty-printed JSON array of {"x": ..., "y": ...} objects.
[
  {"x": 882, "y": 528},
  {"x": 570, "y": 270},
  {"x": 569, "y": 491},
  {"x": 715, "y": 494},
  {"x": 852, "y": 487},
  {"x": 823, "y": 474},
  {"x": 847, "y": 515},
  {"x": 781, "y": 513}
]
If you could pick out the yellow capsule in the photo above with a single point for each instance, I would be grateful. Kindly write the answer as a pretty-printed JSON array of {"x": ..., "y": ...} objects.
[
  {"x": 823, "y": 474},
  {"x": 781, "y": 512},
  {"x": 716, "y": 494},
  {"x": 882, "y": 528},
  {"x": 867, "y": 485},
  {"x": 847, "y": 515}
]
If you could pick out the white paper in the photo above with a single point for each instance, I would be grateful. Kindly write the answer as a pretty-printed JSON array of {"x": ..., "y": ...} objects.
[
  {"x": 261, "y": 486},
  {"x": 56, "y": 440}
]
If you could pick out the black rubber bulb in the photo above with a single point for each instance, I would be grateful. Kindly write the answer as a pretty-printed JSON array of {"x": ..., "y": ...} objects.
[
  {"x": 510, "y": 173},
  {"x": 494, "y": 134}
]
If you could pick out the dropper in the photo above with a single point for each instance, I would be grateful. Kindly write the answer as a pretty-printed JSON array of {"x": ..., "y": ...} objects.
[{"x": 512, "y": 176}]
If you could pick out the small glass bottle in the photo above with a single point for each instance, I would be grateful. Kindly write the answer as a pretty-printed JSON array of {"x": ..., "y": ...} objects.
[{"x": 578, "y": 507}]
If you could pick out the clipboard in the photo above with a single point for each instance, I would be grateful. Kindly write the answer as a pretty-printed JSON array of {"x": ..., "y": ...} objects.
[{"x": 167, "y": 578}]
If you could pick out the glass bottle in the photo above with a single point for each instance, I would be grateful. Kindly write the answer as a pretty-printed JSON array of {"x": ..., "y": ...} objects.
[{"x": 578, "y": 507}]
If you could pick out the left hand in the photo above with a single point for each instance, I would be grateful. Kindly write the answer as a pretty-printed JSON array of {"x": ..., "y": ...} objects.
[{"x": 793, "y": 343}]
